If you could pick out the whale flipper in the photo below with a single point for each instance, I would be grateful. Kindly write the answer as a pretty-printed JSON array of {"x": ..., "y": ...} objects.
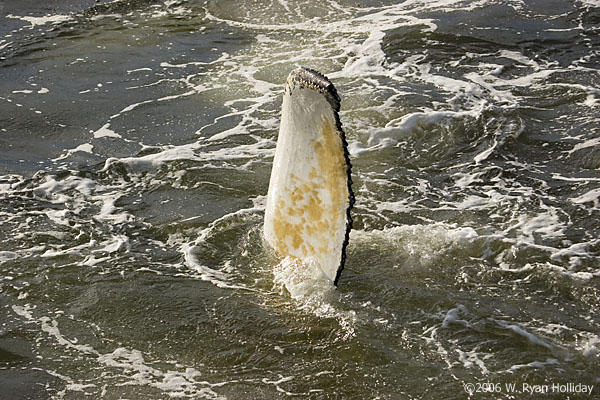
[{"x": 308, "y": 206}]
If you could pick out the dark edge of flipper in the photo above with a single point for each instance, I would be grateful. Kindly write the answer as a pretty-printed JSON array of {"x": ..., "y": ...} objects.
[{"x": 319, "y": 82}]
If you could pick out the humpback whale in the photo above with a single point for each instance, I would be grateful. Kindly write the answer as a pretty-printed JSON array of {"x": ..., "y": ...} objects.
[{"x": 307, "y": 214}]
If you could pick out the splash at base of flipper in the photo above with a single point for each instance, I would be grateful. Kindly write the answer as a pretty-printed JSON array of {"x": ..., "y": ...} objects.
[{"x": 308, "y": 206}]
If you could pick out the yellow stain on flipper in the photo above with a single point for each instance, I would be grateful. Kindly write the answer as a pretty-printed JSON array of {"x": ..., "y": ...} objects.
[{"x": 309, "y": 219}]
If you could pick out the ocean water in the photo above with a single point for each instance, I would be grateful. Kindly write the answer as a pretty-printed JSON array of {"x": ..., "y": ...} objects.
[{"x": 136, "y": 142}]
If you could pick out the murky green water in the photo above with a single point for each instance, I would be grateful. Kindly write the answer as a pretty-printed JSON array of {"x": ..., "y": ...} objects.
[{"x": 136, "y": 141}]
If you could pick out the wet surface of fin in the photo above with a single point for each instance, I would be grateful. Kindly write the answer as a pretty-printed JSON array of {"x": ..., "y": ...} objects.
[{"x": 308, "y": 205}]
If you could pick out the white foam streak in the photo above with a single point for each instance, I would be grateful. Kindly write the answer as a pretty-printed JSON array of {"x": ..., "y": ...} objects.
[
  {"x": 84, "y": 148},
  {"x": 48, "y": 19},
  {"x": 546, "y": 224},
  {"x": 574, "y": 179},
  {"x": 105, "y": 131},
  {"x": 589, "y": 346},
  {"x": 591, "y": 3},
  {"x": 4, "y": 44},
  {"x": 50, "y": 326},
  {"x": 109, "y": 211},
  {"x": 586, "y": 144},
  {"x": 54, "y": 190},
  {"x": 474, "y": 358},
  {"x": 395, "y": 129},
  {"x": 7, "y": 256},
  {"x": 262, "y": 148},
  {"x": 118, "y": 243},
  {"x": 534, "y": 364},
  {"x": 61, "y": 192},
  {"x": 580, "y": 276},
  {"x": 135, "y": 370},
  {"x": 523, "y": 332},
  {"x": 219, "y": 277},
  {"x": 216, "y": 277},
  {"x": 452, "y": 317},
  {"x": 591, "y": 196},
  {"x": 417, "y": 245},
  {"x": 24, "y": 311}
]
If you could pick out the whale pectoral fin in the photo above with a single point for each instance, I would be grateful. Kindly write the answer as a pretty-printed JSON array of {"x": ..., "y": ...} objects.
[{"x": 308, "y": 205}]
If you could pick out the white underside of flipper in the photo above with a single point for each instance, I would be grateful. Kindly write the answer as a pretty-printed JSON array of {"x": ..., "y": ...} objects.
[{"x": 307, "y": 210}]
